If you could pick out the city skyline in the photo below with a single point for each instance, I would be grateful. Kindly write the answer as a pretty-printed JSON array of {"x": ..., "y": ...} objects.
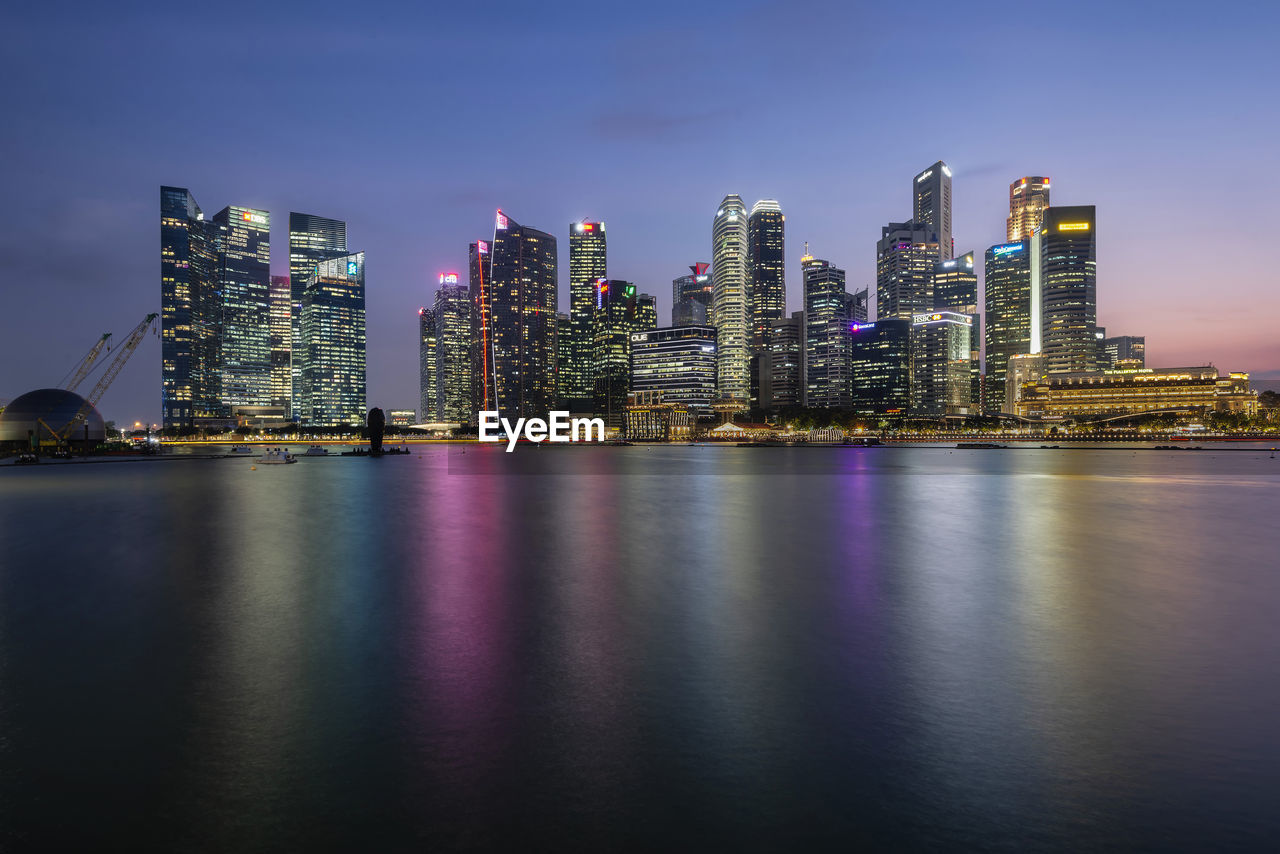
[{"x": 643, "y": 173}]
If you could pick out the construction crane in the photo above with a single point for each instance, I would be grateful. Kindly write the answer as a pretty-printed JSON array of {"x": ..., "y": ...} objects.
[
  {"x": 80, "y": 371},
  {"x": 113, "y": 370}
]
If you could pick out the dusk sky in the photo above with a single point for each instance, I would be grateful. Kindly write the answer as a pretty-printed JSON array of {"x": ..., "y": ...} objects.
[{"x": 415, "y": 122}]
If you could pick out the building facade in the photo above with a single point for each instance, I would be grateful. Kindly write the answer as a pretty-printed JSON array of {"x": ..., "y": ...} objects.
[
  {"x": 588, "y": 263},
  {"x": 333, "y": 336},
  {"x": 786, "y": 363},
  {"x": 1131, "y": 349},
  {"x": 312, "y": 239},
  {"x": 1064, "y": 277},
  {"x": 766, "y": 260},
  {"x": 1110, "y": 394},
  {"x": 452, "y": 371},
  {"x": 679, "y": 363},
  {"x": 931, "y": 205},
  {"x": 906, "y": 256},
  {"x": 691, "y": 297},
  {"x": 280, "y": 309},
  {"x": 880, "y": 367},
  {"x": 427, "y": 387},
  {"x": 1007, "y": 280},
  {"x": 940, "y": 364},
  {"x": 827, "y": 382},
  {"x": 244, "y": 262},
  {"x": 1028, "y": 198},
  {"x": 480, "y": 270},
  {"x": 190, "y": 313},
  {"x": 522, "y": 308},
  {"x": 955, "y": 288},
  {"x": 730, "y": 311}
]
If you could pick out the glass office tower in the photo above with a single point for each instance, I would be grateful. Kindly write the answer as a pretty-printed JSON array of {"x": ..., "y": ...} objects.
[{"x": 333, "y": 335}]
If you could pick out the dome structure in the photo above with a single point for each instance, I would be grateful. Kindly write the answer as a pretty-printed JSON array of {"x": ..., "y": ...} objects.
[{"x": 55, "y": 407}]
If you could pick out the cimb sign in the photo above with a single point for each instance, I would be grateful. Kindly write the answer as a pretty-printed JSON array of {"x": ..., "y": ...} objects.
[{"x": 557, "y": 427}]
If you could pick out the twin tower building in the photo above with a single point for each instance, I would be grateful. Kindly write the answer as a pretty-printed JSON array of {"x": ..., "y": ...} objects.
[{"x": 240, "y": 346}]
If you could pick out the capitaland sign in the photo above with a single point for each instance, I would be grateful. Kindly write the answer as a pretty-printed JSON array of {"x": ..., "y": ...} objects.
[{"x": 558, "y": 427}]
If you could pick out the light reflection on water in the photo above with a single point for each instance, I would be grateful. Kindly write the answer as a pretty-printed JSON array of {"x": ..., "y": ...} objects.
[{"x": 753, "y": 648}]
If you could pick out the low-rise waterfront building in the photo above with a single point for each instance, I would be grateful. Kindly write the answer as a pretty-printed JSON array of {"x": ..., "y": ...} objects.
[{"x": 1101, "y": 394}]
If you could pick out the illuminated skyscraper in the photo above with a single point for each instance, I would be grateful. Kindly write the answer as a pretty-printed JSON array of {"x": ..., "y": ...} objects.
[
  {"x": 281, "y": 311},
  {"x": 1064, "y": 276},
  {"x": 955, "y": 288},
  {"x": 691, "y": 297},
  {"x": 766, "y": 259},
  {"x": 679, "y": 362},
  {"x": 244, "y": 277},
  {"x": 906, "y": 257},
  {"x": 452, "y": 314},
  {"x": 190, "y": 312},
  {"x": 522, "y": 306},
  {"x": 617, "y": 317},
  {"x": 1028, "y": 197},
  {"x": 826, "y": 333},
  {"x": 588, "y": 262},
  {"x": 312, "y": 239},
  {"x": 1007, "y": 278},
  {"x": 333, "y": 339},
  {"x": 731, "y": 314},
  {"x": 940, "y": 364},
  {"x": 931, "y": 205},
  {"x": 480, "y": 269},
  {"x": 880, "y": 367},
  {"x": 428, "y": 403}
]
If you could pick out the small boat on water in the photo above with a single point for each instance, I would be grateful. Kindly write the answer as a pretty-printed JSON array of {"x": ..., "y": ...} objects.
[
  {"x": 241, "y": 450},
  {"x": 316, "y": 451},
  {"x": 277, "y": 456}
]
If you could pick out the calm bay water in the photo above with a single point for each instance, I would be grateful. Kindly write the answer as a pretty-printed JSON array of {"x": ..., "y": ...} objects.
[{"x": 560, "y": 648}]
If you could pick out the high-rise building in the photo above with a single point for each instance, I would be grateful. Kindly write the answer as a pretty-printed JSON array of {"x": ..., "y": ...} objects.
[
  {"x": 1028, "y": 197},
  {"x": 955, "y": 288},
  {"x": 190, "y": 313},
  {"x": 281, "y": 312},
  {"x": 730, "y": 312},
  {"x": 940, "y": 364},
  {"x": 617, "y": 317},
  {"x": 1007, "y": 280},
  {"x": 244, "y": 277},
  {"x": 480, "y": 271},
  {"x": 826, "y": 334},
  {"x": 691, "y": 297},
  {"x": 428, "y": 403},
  {"x": 1064, "y": 276},
  {"x": 1131, "y": 349},
  {"x": 333, "y": 336},
  {"x": 786, "y": 363},
  {"x": 880, "y": 367},
  {"x": 452, "y": 315},
  {"x": 766, "y": 263},
  {"x": 312, "y": 239},
  {"x": 931, "y": 205},
  {"x": 588, "y": 263},
  {"x": 679, "y": 362},
  {"x": 522, "y": 306},
  {"x": 562, "y": 333},
  {"x": 906, "y": 256}
]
